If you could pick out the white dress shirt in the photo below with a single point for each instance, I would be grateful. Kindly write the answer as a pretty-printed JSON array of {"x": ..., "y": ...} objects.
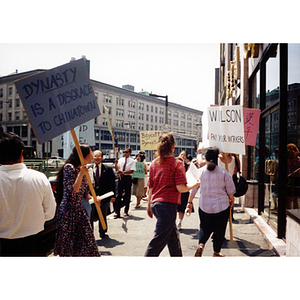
[
  {"x": 130, "y": 164},
  {"x": 26, "y": 201}
]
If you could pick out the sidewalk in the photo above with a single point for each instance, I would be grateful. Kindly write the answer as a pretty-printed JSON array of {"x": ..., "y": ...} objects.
[{"x": 130, "y": 236}]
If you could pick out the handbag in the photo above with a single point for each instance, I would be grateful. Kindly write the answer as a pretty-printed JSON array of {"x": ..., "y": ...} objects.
[{"x": 241, "y": 185}]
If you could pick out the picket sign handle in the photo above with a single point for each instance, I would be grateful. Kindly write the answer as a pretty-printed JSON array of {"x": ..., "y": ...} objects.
[
  {"x": 230, "y": 210},
  {"x": 88, "y": 179}
]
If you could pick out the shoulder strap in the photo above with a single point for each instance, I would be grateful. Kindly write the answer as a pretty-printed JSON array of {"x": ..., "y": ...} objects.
[{"x": 237, "y": 164}]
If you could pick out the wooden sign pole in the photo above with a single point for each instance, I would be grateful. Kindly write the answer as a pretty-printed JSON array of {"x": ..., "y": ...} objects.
[
  {"x": 88, "y": 179},
  {"x": 230, "y": 211}
]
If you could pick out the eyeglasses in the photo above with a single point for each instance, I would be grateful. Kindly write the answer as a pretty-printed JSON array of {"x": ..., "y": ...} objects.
[{"x": 125, "y": 151}]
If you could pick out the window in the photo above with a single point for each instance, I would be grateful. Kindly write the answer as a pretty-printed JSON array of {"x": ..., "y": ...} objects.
[
  {"x": 17, "y": 101},
  {"x": 131, "y": 104},
  {"x": 176, "y": 115},
  {"x": 10, "y": 103},
  {"x": 120, "y": 102},
  {"x": 141, "y": 106},
  {"x": 182, "y": 116},
  {"x": 175, "y": 123},
  {"x": 17, "y": 115},
  {"x": 151, "y": 108},
  {"x": 131, "y": 114},
  {"x": 10, "y": 91},
  {"x": 109, "y": 110},
  {"x": 107, "y": 99},
  {"x": 156, "y": 110},
  {"x": 1, "y": 93},
  {"x": 119, "y": 112},
  {"x": 182, "y": 124},
  {"x": 120, "y": 123}
]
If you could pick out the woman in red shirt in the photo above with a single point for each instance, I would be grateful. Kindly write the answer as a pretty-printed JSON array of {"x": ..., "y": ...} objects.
[{"x": 166, "y": 182}]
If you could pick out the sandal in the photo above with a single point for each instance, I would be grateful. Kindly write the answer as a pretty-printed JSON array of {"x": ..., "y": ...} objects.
[
  {"x": 199, "y": 251},
  {"x": 218, "y": 254}
]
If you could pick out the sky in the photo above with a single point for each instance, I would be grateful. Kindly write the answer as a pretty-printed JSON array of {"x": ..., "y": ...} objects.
[{"x": 183, "y": 71}]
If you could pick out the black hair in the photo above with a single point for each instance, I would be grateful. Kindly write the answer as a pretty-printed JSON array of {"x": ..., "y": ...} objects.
[
  {"x": 75, "y": 161},
  {"x": 211, "y": 157},
  {"x": 11, "y": 146}
]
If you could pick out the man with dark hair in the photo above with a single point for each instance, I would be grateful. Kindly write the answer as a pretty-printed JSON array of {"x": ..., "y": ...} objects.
[
  {"x": 26, "y": 201},
  {"x": 125, "y": 166}
]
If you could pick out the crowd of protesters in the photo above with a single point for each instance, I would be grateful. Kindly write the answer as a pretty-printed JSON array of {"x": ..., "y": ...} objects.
[{"x": 162, "y": 183}]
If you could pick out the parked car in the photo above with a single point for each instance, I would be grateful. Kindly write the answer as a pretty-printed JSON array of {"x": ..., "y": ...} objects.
[{"x": 56, "y": 163}]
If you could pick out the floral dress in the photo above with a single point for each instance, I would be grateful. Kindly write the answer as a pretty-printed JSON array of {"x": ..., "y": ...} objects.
[{"x": 74, "y": 234}]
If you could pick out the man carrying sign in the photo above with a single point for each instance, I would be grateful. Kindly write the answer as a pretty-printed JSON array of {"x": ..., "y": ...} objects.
[{"x": 125, "y": 166}]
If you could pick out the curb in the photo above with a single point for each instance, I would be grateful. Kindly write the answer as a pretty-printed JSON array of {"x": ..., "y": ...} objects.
[{"x": 278, "y": 244}]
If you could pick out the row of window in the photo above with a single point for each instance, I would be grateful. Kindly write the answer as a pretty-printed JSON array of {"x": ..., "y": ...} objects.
[
  {"x": 151, "y": 108},
  {"x": 10, "y": 91}
]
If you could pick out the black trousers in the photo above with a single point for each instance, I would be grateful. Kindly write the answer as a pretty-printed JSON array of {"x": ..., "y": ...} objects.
[
  {"x": 124, "y": 186},
  {"x": 213, "y": 223},
  {"x": 104, "y": 209},
  {"x": 27, "y": 246}
]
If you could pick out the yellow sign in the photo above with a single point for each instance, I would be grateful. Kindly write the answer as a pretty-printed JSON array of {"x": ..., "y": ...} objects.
[{"x": 149, "y": 139}]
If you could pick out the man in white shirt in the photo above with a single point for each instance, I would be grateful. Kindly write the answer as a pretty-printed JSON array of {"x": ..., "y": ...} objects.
[
  {"x": 125, "y": 166},
  {"x": 26, "y": 201}
]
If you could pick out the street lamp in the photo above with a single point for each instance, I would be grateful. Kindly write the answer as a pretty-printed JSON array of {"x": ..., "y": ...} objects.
[{"x": 165, "y": 97}]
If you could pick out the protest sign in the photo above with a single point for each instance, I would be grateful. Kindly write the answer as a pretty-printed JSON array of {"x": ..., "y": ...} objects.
[
  {"x": 139, "y": 170},
  {"x": 58, "y": 100},
  {"x": 149, "y": 139},
  {"x": 251, "y": 119},
  {"x": 226, "y": 128}
]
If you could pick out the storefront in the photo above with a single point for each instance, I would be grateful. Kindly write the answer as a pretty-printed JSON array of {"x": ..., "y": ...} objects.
[{"x": 274, "y": 88}]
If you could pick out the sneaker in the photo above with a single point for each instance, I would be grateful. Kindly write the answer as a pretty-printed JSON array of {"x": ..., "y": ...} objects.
[{"x": 179, "y": 226}]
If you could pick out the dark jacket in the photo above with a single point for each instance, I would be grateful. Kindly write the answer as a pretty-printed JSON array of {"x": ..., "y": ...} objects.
[{"x": 107, "y": 182}]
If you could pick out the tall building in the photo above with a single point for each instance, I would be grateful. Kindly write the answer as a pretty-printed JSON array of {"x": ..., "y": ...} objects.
[
  {"x": 130, "y": 113},
  {"x": 266, "y": 77}
]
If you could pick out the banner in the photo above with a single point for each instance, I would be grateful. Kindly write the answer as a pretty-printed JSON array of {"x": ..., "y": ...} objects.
[
  {"x": 251, "y": 119},
  {"x": 108, "y": 120},
  {"x": 226, "y": 128},
  {"x": 58, "y": 100},
  {"x": 149, "y": 139}
]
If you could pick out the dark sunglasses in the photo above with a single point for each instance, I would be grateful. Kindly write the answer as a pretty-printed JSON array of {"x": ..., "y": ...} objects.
[{"x": 125, "y": 151}]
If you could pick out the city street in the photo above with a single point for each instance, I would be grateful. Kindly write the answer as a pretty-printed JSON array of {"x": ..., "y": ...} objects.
[{"x": 129, "y": 236}]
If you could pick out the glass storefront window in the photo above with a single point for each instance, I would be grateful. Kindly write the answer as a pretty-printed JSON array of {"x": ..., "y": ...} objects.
[
  {"x": 293, "y": 134},
  {"x": 255, "y": 99},
  {"x": 272, "y": 80}
]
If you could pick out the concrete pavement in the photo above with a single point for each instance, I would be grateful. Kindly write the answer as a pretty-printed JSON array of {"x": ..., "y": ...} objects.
[{"x": 129, "y": 236}]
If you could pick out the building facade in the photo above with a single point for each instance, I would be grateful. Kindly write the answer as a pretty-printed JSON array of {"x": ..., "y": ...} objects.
[
  {"x": 266, "y": 77},
  {"x": 130, "y": 113}
]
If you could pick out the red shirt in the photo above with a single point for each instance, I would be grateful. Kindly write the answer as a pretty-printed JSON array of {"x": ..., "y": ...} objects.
[{"x": 163, "y": 178}]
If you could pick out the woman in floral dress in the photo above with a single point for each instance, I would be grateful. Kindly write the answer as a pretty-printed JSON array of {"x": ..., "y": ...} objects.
[{"x": 74, "y": 234}]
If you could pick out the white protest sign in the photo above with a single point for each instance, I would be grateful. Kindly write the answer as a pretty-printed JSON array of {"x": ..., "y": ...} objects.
[
  {"x": 226, "y": 128},
  {"x": 58, "y": 100},
  {"x": 87, "y": 133}
]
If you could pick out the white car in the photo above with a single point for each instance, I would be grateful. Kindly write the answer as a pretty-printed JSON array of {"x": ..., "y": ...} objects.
[{"x": 56, "y": 163}]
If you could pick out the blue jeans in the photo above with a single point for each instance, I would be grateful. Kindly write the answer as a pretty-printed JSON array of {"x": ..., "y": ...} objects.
[{"x": 165, "y": 232}]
